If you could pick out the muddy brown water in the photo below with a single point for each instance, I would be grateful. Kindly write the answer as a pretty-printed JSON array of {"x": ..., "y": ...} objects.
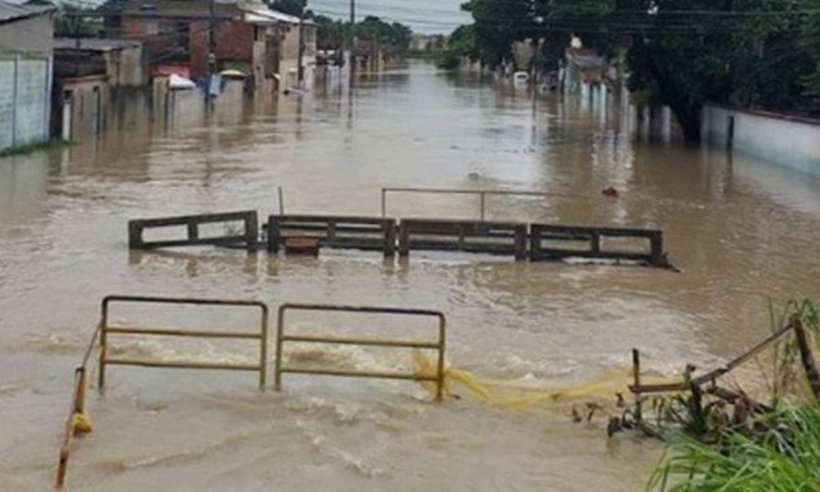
[{"x": 741, "y": 230}]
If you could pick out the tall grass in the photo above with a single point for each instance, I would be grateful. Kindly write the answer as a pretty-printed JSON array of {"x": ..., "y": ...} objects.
[
  {"x": 779, "y": 451},
  {"x": 783, "y": 457}
]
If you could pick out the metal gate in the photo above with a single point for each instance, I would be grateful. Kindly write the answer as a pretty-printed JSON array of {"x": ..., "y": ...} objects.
[
  {"x": 107, "y": 330},
  {"x": 439, "y": 345}
]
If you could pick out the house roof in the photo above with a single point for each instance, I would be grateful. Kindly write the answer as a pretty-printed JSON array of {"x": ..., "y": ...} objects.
[
  {"x": 94, "y": 44},
  {"x": 253, "y": 11},
  {"x": 186, "y": 9},
  {"x": 10, "y": 12}
]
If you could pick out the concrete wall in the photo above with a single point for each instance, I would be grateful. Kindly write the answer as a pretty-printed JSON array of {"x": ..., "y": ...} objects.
[
  {"x": 125, "y": 67},
  {"x": 790, "y": 142},
  {"x": 88, "y": 104},
  {"x": 25, "y": 100}
]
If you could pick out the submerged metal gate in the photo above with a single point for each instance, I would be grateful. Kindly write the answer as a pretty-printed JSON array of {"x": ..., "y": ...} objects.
[
  {"x": 106, "y": 330},
  {"x": 438, "y": 345}
]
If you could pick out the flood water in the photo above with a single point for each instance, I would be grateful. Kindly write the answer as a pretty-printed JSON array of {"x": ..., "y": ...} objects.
[{"x": 742, "y": 231}]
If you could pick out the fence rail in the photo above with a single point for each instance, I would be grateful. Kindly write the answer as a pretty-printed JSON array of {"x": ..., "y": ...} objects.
[
  {"x": 593, "y": 237},
  {"x": 439, "y": 345},
  {"x": 482, "y": 194},
  {"x": 249, "y": 237},
  {"x": 334, "y": 231},
  {"x": 106, "y": 330},
  {"x": 506, "y": 238}
]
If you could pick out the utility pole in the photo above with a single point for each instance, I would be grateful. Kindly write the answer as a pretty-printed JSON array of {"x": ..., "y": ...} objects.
[
  {"x": 211, "y": 37},
  {"x": 300, "y": 70},
  {"x": 352, "y": 40}
]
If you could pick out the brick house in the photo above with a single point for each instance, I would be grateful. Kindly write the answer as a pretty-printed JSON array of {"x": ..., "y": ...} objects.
[{"x": 248, "y": 36}]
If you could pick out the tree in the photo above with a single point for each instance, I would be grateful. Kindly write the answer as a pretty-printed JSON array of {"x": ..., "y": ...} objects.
[
  {"x": 683, "y": 53},
  {"x": 290, "y": 7}
]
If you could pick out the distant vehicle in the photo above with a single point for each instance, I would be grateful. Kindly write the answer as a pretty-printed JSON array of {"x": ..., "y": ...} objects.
[{"x": 521, "y": 78}]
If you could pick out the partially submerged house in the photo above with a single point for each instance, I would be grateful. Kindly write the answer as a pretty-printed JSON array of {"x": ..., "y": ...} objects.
[
  {"x": 88, "y": 74},
  {"x": 26, "y": 48},
  {"x": 247, "y": 36}
]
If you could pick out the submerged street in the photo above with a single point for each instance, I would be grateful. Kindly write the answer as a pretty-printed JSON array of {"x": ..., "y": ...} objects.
[{"x": 742, "y": 231}]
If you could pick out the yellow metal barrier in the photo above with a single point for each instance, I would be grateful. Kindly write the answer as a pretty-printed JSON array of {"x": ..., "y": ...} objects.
[
  {"x": 438, "y": 345},
  {"x": 107, "y": 330},
  {"x": 76, "y": 410}
]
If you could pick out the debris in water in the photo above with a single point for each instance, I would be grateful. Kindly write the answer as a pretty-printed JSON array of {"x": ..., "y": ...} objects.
[{"x": 610, "y": 192}]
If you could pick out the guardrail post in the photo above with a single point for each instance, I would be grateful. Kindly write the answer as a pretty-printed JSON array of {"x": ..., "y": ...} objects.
[
  {"x": 535, "y": 242},
  {"x": 134, "y": 235},
  {"x": 636, "y": 374},
  {"x": 274, "y": 234},
  {"x": 404, "y": 239},
  {"x": 595, "y": 243},
  {"x": 483, "y": 200},
  {"x": 263, "y": 350},
  {"x": 281, "y": 201},
  {"x": 656, "y": 245},
  {"x": 103, "y": 350},
  {"x": 277, "y": 374},
  {"x": 389, "y": 238},
  {"x": 193, "y": 230},
  {"x": 252, "y": 231},
  {"x": 442, "y": 347},
  {"x": 521, "y": 243},
  {"x": 79, "y": 402}
]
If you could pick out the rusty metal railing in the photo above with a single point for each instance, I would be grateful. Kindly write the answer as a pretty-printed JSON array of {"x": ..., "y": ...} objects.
[
  {"x": 481, "y": 193},
  {"x": 77, "y": 406},
  {"x": 438, "y": 345},
  {"x": 106, "y": 330}
]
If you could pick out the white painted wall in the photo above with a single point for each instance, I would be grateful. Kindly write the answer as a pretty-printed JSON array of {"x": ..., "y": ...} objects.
[
  {"x": 25, "y": 100},
  {"x": 786, "y": 141}
]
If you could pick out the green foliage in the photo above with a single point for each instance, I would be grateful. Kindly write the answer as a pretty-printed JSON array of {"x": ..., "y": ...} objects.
[
  {"x": 783, "y": 455},
  {"x": 34, "y": 147},
  {"x": 70, "y": 22},
  {"x": 290, "y": 7},
  {"x": 394, "y": 36},
  {"x": 778, "y": 451},
  {"x": 769, "y": 61},
  {"x": 462, "y": 44},
  {"x": 331, "y": 34}
]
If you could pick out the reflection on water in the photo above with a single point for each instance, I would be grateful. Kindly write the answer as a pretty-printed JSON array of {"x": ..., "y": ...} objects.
[{"x": 741, "y": 230}]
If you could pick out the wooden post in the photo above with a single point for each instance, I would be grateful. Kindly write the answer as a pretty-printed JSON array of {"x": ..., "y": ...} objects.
[
  {"x": 807, "y": 357},
  {"x": 636, "y": 373}
]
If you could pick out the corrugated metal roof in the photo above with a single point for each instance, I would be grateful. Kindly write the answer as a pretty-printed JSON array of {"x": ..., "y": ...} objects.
[{"x": 11, "y": 11}]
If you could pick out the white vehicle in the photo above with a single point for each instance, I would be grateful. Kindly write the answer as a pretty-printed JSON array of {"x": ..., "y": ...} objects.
[{"x": 521, "y": 79}]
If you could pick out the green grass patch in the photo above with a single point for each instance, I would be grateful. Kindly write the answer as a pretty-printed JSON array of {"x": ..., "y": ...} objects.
[
  {"x": 782, "y": 453},
  {"x": 34, "y": 147}
]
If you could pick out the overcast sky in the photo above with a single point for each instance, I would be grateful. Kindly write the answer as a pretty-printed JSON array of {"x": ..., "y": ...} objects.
[{"x": 424, "y": 16}]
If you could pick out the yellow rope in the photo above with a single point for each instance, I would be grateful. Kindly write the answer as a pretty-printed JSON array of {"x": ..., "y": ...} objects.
[{"x": 505, "y": 394}]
